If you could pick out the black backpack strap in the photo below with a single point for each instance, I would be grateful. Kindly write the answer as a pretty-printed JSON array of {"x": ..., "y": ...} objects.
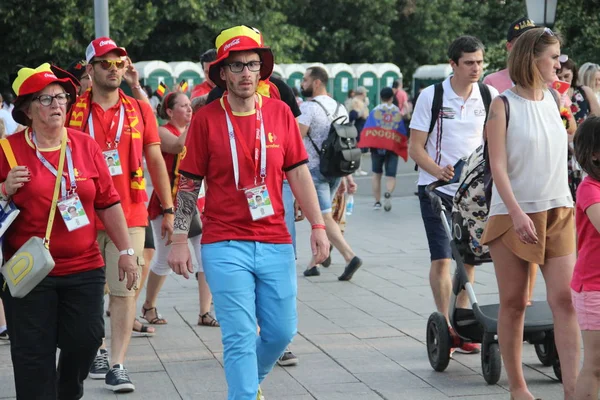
[
  {"x": 486, "y": 96},
  {"x": 436, "y": 105},
  {"x": 328, "y": 117}
]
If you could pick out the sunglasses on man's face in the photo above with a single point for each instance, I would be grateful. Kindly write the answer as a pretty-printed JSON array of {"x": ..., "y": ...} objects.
[{"x": 108, "y": 64}]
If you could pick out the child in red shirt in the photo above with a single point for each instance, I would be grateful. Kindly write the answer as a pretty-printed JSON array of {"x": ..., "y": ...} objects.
[{"x": 585, "y": 284}]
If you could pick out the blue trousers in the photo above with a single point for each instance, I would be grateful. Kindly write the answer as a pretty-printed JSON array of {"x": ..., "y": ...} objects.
[
  {"x": 252, "y": 284},
  {"x": 290, "y": 215}
]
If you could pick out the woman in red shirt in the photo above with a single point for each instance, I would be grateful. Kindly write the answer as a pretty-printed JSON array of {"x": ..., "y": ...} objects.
[
  {"x": 175, "y": 108},
  {"x": 65, "y": 309}
]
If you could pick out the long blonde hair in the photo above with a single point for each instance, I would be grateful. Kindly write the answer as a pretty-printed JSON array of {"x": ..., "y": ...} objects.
[{"x": 587, "y": 75}]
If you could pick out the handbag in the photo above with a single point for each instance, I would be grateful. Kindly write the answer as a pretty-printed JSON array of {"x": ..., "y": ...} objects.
[{"x": 33, "y": 262}]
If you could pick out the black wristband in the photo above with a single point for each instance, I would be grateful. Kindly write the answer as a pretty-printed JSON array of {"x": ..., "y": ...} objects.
[{"x": 168, "y": 211}]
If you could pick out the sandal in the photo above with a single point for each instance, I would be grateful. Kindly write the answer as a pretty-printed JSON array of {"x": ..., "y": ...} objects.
[
  {"x": 208, "y": 320},
  {"x": 142, "y": 332},
  {"x": 157, "y": 320}
]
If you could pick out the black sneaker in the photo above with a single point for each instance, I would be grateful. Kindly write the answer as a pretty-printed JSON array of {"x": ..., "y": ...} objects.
[
  {"x": 377, "y": 206},
  {"x": 4, "y": 337},
  {"x": 313, "y": 271},
  {"x": 287, "y": 359},
  {"x": 100, "y": 365},
  {"x": 327, "y": 261},
  {"x": 117, "y": 380},
  {"x": 350, "y": 269}
]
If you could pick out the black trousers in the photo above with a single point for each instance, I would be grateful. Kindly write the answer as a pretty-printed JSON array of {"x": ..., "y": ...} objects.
[{"x": 64, "y": 312}]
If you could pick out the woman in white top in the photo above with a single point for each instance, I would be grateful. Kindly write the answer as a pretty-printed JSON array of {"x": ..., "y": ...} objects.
[{"x": 531, "y": 212}]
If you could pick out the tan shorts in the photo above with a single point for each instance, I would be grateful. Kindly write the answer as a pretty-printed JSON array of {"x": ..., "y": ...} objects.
[
  {"x": 110, "y": 253},
  {"x": 555, "y": 229}
]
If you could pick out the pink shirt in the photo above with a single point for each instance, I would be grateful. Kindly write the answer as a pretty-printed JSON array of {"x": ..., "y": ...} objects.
[
  {"x": 402, "y": 98},
  {"x": 499, "y": 80},
  {"x": 586, "y": 276}
]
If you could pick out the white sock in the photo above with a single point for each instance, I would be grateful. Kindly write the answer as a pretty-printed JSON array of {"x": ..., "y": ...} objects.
[{"x": 2, "y": 328}]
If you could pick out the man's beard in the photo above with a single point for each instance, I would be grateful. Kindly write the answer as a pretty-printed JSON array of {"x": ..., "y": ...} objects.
[{"x": 306, "y": 92}]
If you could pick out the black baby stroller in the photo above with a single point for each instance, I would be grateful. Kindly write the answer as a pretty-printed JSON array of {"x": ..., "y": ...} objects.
[{"x": 479, "y": 324}]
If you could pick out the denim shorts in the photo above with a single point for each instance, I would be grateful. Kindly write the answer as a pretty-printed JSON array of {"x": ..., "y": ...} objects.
[
  {"x": 437, "y": 238},
  {"x": 389, "y": 159},
  {"x": 326, "y": 188}
]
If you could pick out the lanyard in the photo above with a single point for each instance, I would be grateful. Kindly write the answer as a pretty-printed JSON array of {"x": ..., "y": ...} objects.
[
  {"x": 50, "y": 167},
  {"x": 260, "y": 142},
  {"x": 119, "y": 128}
]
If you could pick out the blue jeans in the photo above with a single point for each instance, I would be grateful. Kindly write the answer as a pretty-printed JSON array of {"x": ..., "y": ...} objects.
[
  {"x": 326, "y": 188},
  {"x": 290, "y": 214},
  {"x": 252, "y": 284}
]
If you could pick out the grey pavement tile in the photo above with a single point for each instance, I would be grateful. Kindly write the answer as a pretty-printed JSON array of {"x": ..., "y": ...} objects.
[
  {"x": 374, "y": 363},
  {"x": 353, "y": 391},
  {"x": 280, "y": 384},
  {"x": 197, "y": 378},
  {"x": 7, "y": 383},
  {"x": 413, "y": 394},
  {"x": 315, "y": 369},
  {"x": 142, "y": 359},
  {"x": 371, "y": 332},
  {"x": 391, "y": 381}
]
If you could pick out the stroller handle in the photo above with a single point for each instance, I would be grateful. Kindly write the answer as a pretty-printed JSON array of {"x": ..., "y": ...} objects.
[{"x": 436, "y": 201}]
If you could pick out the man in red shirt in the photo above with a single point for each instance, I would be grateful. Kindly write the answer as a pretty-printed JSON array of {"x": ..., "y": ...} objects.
[
  {"x": 126, "y": 130},
  {"x": 242, "y": 145},
  {"x": 201, "y": 91}
]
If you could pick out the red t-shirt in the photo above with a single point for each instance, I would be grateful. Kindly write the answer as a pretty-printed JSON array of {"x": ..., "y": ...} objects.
[
  {"x": 586, "y": 276},
  {"x": 154, "y": 206},
  {"x": 202, "y": 89},
  {"x": 135, "y": 213},
  {"x": 74, "y": 251},
  {"x": 226, "y": 213}
]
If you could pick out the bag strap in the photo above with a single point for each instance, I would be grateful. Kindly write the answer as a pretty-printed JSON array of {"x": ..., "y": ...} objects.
[
  {"x": 8, "y": 152},
  {"x": 506, "y": 108},
  {"x": 436, "y": 105},
  {"x": 556, "y": 99},
  {"x": 59, "y": 172},
  {"x": 486, "y": 96},
  {"x": 328, "y": 117}
]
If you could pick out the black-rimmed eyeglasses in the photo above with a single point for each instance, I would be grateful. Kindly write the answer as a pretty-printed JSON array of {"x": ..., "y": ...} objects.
[
  {"x": 46, "y": 99},
  {"x": 237, "y": 67}
]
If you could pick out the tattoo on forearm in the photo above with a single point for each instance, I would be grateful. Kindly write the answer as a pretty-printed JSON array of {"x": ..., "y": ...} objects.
[
  {"x": 187, "y": 195},
  {"x": 492, "y": 115}
]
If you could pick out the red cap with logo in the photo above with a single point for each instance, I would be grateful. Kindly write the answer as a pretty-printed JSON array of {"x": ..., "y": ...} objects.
[
  {"x": 240, "y": 38},
  {"x": 101, "y": 46}
]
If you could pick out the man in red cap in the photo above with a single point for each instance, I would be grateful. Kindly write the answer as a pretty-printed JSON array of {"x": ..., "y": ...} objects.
[
  {"x": 242, "y": 145},
  {"x": 126, "y": 130}
]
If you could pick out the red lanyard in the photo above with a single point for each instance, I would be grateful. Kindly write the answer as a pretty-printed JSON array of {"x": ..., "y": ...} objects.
[{"x": 258, "y": 169}]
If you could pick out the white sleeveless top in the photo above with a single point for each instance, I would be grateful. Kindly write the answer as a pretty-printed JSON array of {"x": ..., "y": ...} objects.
[{"x": 536, "y": 149}]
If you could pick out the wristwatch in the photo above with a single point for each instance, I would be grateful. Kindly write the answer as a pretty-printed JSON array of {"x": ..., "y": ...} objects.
[
  {"x": 127, "y": 252},
  {"x": 169, "y": 211}
]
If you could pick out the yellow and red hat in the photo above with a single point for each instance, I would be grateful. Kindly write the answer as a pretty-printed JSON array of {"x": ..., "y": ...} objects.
[
  {"x": 30, "y": 81},
  {"x": 240, "y": 38}
]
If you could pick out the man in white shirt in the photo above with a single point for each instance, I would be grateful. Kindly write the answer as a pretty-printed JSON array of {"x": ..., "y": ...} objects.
[
  {"x": 457, "y": 132},
  {"x": 315, "y": 122}
]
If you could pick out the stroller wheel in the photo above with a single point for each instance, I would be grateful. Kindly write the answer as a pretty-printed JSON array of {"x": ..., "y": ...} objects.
[
  {"x": 546, "y": 350},
  {"x": 438, "y": 342},
  {"x": 556, "y": 368},
  {"x": 491, "y": 362}
]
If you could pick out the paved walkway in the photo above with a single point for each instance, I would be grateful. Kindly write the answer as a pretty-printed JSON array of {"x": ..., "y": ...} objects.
[{"x": 362, "y": 339}]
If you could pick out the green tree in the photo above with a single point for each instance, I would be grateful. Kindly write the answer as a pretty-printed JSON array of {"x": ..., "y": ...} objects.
[
  {"x": 59, "y": 31},
  {"x": 579, "y": 23}
]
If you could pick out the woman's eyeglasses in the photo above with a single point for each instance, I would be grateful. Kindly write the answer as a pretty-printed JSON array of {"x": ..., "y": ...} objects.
[
  {"x": 237, "y": 67},
  {"x": 108, "y": 64},
  {"x": 46, "y": 99}
]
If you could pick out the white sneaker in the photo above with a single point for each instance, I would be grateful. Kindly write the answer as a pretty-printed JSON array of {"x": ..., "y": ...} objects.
[{"x": 387, "y": 202}]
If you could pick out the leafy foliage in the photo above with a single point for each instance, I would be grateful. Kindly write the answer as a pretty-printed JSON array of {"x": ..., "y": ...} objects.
[{"x": 408, "y": 33}]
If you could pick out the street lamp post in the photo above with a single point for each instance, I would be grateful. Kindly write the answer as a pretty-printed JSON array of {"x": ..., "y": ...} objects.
[
  {"x": 542, "y": 11},
  {"x": 101, "y": 17}
]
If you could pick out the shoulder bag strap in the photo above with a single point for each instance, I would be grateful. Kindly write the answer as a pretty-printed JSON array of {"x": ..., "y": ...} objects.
[
  {"x": 8, "y": 152},
  {"x": 328, "y": 117},
  {"x": 61, "y": 166},
  {"x": 436, "y": 105},
  {"x": 486, "y": 97}
]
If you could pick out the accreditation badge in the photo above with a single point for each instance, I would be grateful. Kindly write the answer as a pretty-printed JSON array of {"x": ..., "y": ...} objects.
[
  {"x": 259, "y": 202},
  {"x": 72, "y": 212},
  {"x": 113, "y": 162}
]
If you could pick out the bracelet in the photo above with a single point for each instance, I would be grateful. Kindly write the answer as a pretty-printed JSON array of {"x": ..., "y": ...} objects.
[{"x": 318, "y": 226}]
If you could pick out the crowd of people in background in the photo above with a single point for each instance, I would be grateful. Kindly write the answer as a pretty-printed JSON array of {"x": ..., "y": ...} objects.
[{"x": 236, "y": 164}]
